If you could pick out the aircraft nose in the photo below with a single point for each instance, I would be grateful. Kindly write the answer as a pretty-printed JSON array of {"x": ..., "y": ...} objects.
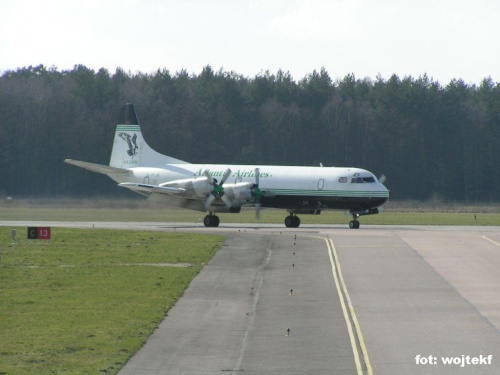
[
  {"x": 384, "y": 189},
  {"x": 381, "y": 180}
]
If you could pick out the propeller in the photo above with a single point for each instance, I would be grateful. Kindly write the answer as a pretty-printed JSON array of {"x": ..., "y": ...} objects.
[
  {"x": 382, "y": 179},
  {"x": 257, "y": 193},
  {"x": 218, "y": 189}
]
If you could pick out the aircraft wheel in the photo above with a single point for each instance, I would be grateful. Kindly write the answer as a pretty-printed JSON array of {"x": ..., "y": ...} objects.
[
  {"x": 292, "y": 221},
  {"x": 211, "y": 221},
  {"x": 208, "y": 221},
  {"x": 296, "y": 222},
  {"x": 215, "y": 221},
  {"x": 354, "y": 224}
]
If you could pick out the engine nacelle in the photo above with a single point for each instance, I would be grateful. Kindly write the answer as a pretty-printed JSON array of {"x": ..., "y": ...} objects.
[
  {"x": 195, "y": 186},
  {"x": 240, "y": 192}
]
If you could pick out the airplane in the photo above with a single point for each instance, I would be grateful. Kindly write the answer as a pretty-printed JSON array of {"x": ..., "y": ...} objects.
[{"x": 217, "y": 188}]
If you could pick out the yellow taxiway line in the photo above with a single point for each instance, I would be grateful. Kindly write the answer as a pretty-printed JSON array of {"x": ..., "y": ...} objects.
[{"x": 348, "y": 314}]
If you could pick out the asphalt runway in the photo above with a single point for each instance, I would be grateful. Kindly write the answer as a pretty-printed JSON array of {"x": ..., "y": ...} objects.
[
  {"x": 428, "y": 293},
  {"x": 378, "y": 300}
]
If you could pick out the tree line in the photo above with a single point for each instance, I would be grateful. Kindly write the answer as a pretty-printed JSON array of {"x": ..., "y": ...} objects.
[{"x": 430, "y": 140}]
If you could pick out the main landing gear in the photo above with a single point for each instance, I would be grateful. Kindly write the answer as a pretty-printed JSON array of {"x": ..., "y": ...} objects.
[
  {"x": 211, "y": 220},
  {"x": 292, "y": 221},
  {"x": 354, "y": 224}
]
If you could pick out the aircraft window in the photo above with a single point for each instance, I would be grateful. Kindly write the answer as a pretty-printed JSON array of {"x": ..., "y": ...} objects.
[{"x": 360, "y": 180}]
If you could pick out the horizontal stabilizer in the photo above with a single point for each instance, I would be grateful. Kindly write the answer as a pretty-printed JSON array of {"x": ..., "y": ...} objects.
[
  {"x": 99, "y": 168},
  {"x": 148, "y": 189}
]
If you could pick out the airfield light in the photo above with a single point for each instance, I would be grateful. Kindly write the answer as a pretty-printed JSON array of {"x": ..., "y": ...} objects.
[{"x": 14, "y": 234}]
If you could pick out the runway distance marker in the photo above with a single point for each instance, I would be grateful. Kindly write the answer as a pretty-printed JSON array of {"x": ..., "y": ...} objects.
[{"x": 38, "y": 233}]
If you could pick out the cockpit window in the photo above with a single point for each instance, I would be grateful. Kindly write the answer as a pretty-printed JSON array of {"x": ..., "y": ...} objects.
[{"x": 360, "y": 180}]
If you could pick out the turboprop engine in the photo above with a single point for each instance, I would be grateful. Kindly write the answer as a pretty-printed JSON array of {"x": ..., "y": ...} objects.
[
  {"x": 238, "y": 193},
  {"x": 196, "y": 186}
]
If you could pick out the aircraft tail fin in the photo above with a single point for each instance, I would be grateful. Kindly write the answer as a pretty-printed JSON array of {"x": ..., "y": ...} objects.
[{"x": 129, "y": 147}]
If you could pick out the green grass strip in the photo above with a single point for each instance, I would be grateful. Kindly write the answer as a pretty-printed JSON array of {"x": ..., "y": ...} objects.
[
  {"x": 86, "y": 302},
  {"x": 268, "y": 216}
]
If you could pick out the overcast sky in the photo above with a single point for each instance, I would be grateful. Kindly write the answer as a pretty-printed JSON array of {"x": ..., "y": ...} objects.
[{"x": 444, "y": 38}]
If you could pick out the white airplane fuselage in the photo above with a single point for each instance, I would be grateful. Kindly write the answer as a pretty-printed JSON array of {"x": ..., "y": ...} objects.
[{"x": 287, "y": 187}]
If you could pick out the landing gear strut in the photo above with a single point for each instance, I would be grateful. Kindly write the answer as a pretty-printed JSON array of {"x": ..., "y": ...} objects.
[
  {"x": 292, "y": 221},
  {"x": 211, "y": 220}
]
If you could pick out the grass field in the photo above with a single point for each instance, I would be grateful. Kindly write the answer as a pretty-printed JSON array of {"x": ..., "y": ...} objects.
[
  {"x": 396, "y": 213},
  {"x": 87, "y": 301}
]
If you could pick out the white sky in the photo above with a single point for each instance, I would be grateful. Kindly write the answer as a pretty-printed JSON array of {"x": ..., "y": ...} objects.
[{"x": 444, "y": 38}]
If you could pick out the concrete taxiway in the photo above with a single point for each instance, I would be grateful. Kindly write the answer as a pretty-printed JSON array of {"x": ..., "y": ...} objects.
[{"x": 381, "y": 300}]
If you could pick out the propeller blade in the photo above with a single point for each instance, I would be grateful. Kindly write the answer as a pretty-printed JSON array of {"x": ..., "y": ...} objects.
[
  {"x": 227, "y": 201},
  {"x": 218, "y": 188},
  {"x": 257, "y": 193},
  {"x": 257, "y": 210},
  {"x": 208, "y": 176},
  {"x": 382, "y": 179},
  {"x": 227, "y": 174},
  {"x": 209, "y": 201}
]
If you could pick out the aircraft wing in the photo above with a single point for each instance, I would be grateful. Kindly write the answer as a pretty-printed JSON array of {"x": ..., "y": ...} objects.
[
  {"x": 99, "y": 168},
  {"x": 174, "y": 196},
  {"x": 149, "y": 189}
]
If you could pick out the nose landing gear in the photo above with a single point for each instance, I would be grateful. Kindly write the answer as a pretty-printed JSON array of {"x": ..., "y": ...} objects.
[{"x": 354, "y": 224}]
